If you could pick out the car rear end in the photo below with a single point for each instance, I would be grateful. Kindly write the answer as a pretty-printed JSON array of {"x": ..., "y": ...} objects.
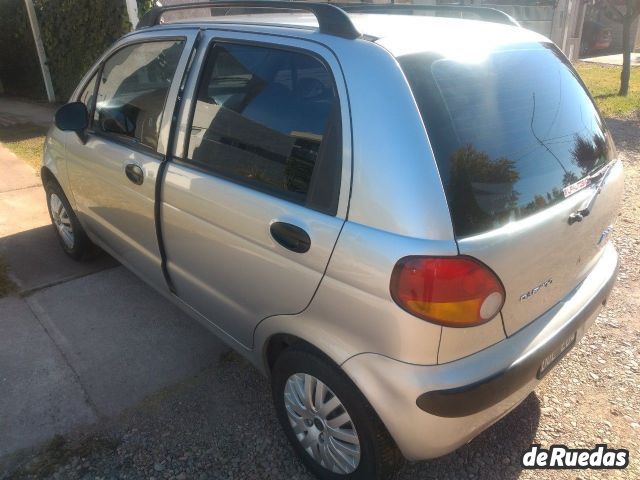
[
  {"x": 532, "y": 184},
  {"x": 528, "y": 166}
]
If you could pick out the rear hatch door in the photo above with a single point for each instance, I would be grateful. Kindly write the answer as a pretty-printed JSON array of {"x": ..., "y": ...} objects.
[
  {"x": 541, "y": 259},
  {"x": 522, "y": 153}
]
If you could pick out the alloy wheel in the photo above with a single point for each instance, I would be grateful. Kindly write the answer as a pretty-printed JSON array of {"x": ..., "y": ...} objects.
[
  {"x": 321, "y": 423},
  {"x": 61, "y": 220}
]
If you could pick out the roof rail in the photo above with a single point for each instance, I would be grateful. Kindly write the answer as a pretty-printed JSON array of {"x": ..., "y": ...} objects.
[
  {"x": 481, "y": 13},
  {"x": 331, "y": 19}
]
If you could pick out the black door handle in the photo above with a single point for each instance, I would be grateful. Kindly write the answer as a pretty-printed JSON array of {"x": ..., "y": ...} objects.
[
  {"x": 290, "y": 237},
  {"x": 134, "y": 173}
]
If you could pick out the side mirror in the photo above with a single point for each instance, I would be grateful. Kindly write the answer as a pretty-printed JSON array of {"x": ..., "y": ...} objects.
[{"x": 72, "y": 117}]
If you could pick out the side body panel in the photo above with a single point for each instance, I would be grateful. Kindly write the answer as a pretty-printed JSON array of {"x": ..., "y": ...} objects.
[
  {"x": 221, "y": 256},
  {"x": 112, "y": 208},
  {"x": 353, "y": 311},
  {"x": 54, "y": 159},
  {"x": 397, "y": 208},
  {"x": 396, "y": 185}
]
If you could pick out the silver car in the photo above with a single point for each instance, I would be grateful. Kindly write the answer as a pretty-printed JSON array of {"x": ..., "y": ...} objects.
[{"x": 402, "y": 220}]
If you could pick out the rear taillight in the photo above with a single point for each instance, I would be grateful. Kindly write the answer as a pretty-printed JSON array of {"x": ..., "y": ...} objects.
[{"x": 450, "y": 291}]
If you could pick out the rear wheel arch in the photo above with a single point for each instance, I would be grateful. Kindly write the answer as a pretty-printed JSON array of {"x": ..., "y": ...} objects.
[
  {"x": 381, "y": 456},
  {"x": 279, "y": 342}
]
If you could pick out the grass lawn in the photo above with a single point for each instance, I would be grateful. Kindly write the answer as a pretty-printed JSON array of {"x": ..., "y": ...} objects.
[
  {"x": 26, "y": 141},
  {"x": 603, "y": 82}
]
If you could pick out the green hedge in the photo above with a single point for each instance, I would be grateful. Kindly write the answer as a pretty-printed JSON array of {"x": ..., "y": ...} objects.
[
  {"x": 74, "y": 34},
  {"x": 19, "y": 69}
]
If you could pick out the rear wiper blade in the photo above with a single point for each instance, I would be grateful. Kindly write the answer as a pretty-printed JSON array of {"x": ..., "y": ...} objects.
[{"x": 585, "y": 210}]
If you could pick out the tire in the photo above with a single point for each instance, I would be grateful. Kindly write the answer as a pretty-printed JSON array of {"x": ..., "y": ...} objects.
[
  {"x": 378, "y": 458},
  {"x": 71, "y": 235}
]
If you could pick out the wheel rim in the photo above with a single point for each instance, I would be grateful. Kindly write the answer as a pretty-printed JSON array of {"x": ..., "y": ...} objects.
[
  {"x": 321, "y": 423},
  {"x": 61, "y": 220}
]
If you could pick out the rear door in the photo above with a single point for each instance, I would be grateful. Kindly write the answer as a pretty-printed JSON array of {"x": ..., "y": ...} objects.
[
  {"x": 253, "y": 205},
  {"x": 521, "y": 150},
  {"x": 113, "y": 169}
]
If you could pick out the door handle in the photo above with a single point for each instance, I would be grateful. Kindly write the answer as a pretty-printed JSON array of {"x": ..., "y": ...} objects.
[
  {"x": 134, "y": 173},
  {"x": 290, "y": 237}
]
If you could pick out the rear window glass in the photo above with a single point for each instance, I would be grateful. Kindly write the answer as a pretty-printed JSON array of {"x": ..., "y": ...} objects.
[{"x": 513, "y": 133}]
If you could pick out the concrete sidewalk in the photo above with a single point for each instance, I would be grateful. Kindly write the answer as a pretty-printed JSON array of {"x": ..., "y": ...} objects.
[
  {"x": 613, "y": 59},
  {"x": 80, "y": 341},
  {"x": 28, "y": 242},
  {"x": 16, "y": 111}
]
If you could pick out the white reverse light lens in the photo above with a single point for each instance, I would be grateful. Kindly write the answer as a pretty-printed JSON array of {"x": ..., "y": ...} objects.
[{"x": 491, "y": 306}]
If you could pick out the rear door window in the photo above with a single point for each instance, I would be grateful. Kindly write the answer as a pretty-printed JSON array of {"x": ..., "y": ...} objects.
[
  {"x": 269, "y": 119},
  {"x": 512, "y": 133},
  {"x": 133, "y": 88}
]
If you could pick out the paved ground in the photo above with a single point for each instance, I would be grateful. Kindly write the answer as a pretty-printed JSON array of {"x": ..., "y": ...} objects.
[
  {"x": 27, "y": 241},
  {"x": 81, "y": 341},
  {"x": 136, "y": 390},
  {"x": 14, "y": 111},
  {"x": 613, "y": 59}
]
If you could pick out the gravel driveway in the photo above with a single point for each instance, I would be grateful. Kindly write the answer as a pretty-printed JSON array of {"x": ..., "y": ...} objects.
[{"x": 221, "y": 425}]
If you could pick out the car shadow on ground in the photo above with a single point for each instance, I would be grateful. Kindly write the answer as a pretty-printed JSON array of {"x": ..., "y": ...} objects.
[
  {"x": 226, "y": 412},
  {"x": 495, "y": 453},
  {"x": 221, "y": 423},
  {"x": 625, "y": 133},
  {"x": 36, "y": 259},
  {"x": 217, "y": 421}
]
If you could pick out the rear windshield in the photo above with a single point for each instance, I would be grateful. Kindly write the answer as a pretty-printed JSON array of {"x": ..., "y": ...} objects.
[{"x": 512, "y": 133}]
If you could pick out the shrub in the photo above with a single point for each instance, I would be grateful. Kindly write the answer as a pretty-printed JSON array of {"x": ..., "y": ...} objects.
[{"x": 74, "y": 33}]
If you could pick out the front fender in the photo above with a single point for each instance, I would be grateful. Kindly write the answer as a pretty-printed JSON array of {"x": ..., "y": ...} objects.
[{"x": 54, "y": 164}]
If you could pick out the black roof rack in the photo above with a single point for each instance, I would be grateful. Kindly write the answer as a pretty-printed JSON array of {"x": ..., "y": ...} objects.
[
  {"x": 331, "y": 19},
  {"x": 482, "y": 13}
]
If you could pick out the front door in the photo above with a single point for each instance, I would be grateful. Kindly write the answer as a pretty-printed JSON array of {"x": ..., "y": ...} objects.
[
  {"x": 113, "y": 170},
  {"x": 253, "y": 209}
]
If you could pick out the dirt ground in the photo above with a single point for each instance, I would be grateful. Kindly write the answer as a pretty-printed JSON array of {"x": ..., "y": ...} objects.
[{"x": 594, "y": 396}]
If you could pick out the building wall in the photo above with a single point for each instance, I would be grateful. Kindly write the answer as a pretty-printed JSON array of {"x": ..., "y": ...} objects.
[
  {"x": 596, "y": 13},
  {"x": 560, "y": 20}
]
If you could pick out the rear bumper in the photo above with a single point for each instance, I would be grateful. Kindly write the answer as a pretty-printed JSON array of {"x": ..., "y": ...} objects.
[{"x": 432, "y": 410}]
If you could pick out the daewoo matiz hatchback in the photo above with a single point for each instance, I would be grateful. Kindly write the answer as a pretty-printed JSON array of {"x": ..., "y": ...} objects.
[{"x": 401, "y": 219}]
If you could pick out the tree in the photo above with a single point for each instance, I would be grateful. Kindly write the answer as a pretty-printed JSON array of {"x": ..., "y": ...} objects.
[
  {"x": 481, "y": 189},
  {"x": 632, "y": 11}
]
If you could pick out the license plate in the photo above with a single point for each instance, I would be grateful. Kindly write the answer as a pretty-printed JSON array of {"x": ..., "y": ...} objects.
[{"x": 555, "y": 356}]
